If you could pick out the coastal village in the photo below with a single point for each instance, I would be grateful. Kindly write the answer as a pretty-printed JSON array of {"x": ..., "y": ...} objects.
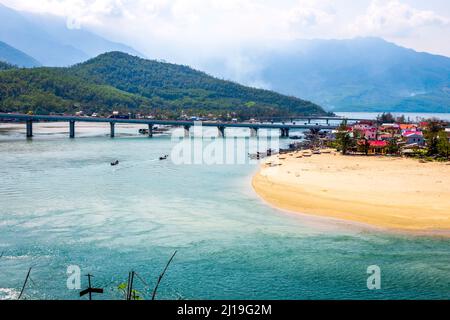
[
  {"x": 388, "y": 136},
  {"x": 402, "y": 164}
]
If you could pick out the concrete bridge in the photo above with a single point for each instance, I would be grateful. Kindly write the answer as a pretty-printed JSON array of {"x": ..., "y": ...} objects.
[
  {"x": 311, "y": 119},
  {"x": 221, "y": 126}
]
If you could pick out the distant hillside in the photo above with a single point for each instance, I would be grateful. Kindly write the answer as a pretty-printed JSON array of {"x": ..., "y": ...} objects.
[
  {"x": 362, "y": 74},
  {"x": 48, "y": 40},
  {"x": 15, "y": 57},
  {"x": 118, "y": 81},
  {"x": 5, "y": 66}
]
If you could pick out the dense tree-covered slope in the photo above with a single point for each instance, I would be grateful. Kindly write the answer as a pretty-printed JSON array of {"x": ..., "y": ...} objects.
[
  {"x": 5, "y": 66},
  {"x": 118, "y": 81}
]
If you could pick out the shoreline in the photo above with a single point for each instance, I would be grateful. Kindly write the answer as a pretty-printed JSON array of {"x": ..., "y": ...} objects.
[{"x": 392, "y": 194}]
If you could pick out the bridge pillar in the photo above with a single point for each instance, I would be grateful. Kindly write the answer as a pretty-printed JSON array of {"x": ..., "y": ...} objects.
[
  {"x": 221, "y": 132},
  {"x": 253, "y": 132},
  {"x": 29, "y": 128},
  {"x": 284, "y": 132},
  {"x": 150, "y": 131},
  {"x": 309, "y": 120},
  {"x": 113, "y": 129},
  {"x": 328, "y": 121},
  {"x": 186, "y": 131},
  {"x": 72, "y": 129}
]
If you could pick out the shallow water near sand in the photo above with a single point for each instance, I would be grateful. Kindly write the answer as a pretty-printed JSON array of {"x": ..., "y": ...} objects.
[{"x": 61, "y": 204}]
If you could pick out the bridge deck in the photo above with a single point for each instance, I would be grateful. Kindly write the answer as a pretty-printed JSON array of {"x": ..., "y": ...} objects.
[{"x": 23, "y": 117}]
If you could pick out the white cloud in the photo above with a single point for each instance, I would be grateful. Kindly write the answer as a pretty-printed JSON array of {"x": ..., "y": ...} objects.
[
  {"x": 305, "y": 17},
  {"x": 192, "y": 19},
  {"x": 393, "y": 18},
  {"x": 188, "y": 30}
]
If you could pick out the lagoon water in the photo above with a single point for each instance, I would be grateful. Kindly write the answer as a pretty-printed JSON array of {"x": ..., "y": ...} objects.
[{"x": 61, "y": 204}]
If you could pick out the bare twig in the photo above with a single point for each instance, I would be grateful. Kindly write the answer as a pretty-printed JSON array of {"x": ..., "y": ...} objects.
[
  {"x": 24, "y": 284},
  {"x": 140, "y": 278},
  {"x": 130, "y": 287},
  {"x": 162, "y": 275}
]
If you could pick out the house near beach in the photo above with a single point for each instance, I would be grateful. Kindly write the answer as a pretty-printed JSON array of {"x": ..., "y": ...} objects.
[
  {"x": 374, "y": 146},
  {"x": 378, "y": 147},
  {"x": 364, "y": 125},
  {"x": 371, "y": 133},
  {"x": 408, "y": 127},
  {"x": 414, "y": 137}
]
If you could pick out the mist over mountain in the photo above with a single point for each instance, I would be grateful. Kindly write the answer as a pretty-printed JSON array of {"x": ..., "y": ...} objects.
[
  {"x": 361, "y": 74},
  {"x": 48, "y": 40},
  {"x": 91, "y": 44},
  {"x": 16, "y": 57}
]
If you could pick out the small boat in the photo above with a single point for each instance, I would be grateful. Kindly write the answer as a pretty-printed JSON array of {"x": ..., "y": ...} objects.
[
  {"x": 164, "y": 157},
  {"x": 115, "y": 163}
]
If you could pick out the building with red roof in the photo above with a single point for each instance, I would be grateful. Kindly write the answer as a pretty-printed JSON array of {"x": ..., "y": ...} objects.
[{"x": 374, "y": 146}]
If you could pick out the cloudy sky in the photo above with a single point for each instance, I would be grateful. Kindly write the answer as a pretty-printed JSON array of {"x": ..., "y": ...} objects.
[{"x": 159, "y": 28}]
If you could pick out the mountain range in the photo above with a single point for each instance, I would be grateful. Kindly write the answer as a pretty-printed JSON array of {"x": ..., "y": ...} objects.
[
  {"x": 48, "y": 40},
  {"x": 16, "y": 57},
  {"x": 361, "y": 74},
  {"x": 118, "y": 81}
]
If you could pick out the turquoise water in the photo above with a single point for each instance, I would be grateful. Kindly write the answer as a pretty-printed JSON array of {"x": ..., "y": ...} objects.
[{"x": 62, "y": 204}]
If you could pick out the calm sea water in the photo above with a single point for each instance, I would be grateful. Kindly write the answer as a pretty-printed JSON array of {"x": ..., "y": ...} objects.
[{"x": 61, "y": 204}]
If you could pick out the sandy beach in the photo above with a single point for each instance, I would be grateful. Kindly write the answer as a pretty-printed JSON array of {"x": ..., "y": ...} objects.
[{"x": 393, "y": 193}]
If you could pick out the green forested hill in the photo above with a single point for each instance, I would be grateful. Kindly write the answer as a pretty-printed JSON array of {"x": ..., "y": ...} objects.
[{"x": 118, "y": 81}]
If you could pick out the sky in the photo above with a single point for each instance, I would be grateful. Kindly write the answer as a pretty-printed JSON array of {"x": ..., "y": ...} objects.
[{"x": 174, "y": 29}]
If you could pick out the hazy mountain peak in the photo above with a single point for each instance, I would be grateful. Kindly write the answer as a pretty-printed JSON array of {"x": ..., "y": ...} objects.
[
  {"x": 361, "y": 74},
  {"x": 16, "y": 57},
  {"x": 47, "y": 38}
]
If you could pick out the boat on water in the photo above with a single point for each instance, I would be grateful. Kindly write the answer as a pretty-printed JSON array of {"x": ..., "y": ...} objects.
[{"x": 156, "y": 130}]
